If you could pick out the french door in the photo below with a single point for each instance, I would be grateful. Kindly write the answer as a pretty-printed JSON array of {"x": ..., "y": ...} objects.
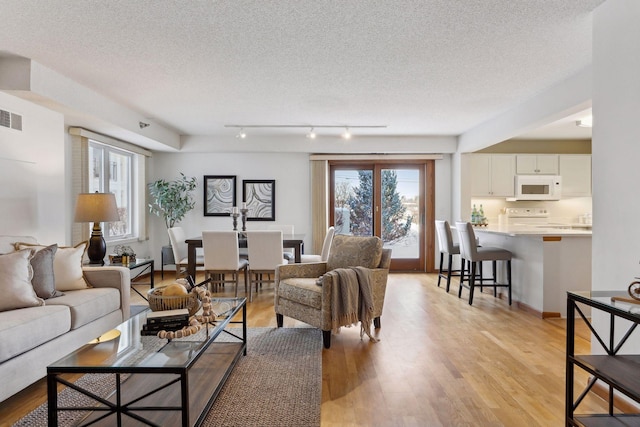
[{"x": 391, "y": 200}]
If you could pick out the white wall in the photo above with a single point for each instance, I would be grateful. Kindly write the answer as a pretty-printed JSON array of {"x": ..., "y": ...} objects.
[
  {"x": 616, "y": 147},
  {"x": 32, "y": 173},
  {"x": 290, "y": 170}
]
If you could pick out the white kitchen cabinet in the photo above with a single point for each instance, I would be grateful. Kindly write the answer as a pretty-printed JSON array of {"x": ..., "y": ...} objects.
[
  {"x": 537, "y": 164},
  {"x": 575, "y": 170},
  {"x": 492, "y": 175}
]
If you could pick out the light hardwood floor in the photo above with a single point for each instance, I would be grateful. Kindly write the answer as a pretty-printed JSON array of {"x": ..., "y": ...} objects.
[{"x": 439, "y": 362}]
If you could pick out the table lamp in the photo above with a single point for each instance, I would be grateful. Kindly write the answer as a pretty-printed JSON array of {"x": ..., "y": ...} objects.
[{"x": 96, "y": 207}]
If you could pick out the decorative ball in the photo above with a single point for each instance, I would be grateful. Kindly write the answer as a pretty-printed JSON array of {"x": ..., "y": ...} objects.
[{"x": 174, "y": 290}]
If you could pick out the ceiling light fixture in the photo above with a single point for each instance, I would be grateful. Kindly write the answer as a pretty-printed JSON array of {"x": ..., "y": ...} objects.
[
  {"x": 143, "y": 125},
  {"x": 346, "y": 134},
  {"x": 587, "y": 122},
  {"x": 311, "y": 134},
  {"x": 242, "y": 134}
]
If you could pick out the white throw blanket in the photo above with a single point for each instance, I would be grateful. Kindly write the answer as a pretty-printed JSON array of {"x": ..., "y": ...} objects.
[{"x": 352, "y": 299}]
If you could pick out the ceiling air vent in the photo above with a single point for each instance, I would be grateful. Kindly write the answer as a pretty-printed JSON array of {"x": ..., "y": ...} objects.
[{"x": 10, "y": 120}]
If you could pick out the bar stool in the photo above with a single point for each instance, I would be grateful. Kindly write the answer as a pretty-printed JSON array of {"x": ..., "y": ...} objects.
[
  {"x": 474, "y": 254},
  {"x": 447, "y": 246}
]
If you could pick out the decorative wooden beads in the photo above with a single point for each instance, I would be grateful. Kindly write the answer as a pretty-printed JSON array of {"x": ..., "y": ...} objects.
[{"x": 196, "y": 323}]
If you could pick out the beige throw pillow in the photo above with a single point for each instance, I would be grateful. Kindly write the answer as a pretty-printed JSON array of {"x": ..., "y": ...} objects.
[
  {"x": 15, "y": 281},
  {"x": 354, "y": 251},
  {"x": 67, "y": 265}
]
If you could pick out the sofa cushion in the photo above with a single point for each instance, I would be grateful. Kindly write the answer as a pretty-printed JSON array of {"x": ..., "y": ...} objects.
[
  {"x": 67, "y": 265},
  {"x": 301, "y": 290},
  {"x": 43, "y": 275},
  {"x": 24, "y": 329},
  {"x": 15, "y": 281},
  {"x": 88, "y": 305},
  {"x": 353, "y": 251}
]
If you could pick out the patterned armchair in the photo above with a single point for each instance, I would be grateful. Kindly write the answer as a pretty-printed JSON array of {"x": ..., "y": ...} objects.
[{"x": 299, "y": 296}]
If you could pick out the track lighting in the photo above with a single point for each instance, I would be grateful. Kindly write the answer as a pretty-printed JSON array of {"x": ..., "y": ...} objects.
[
  {"x": 311, "y": 134},
  {"x": 143, "y": 125}
]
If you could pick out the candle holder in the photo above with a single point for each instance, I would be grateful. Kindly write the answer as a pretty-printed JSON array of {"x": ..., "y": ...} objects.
[
  {"x": 235, "y": 216},
  {"x": 244, "y": 218}
]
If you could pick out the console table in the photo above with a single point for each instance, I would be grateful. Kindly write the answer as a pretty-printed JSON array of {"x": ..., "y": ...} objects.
[
  {"x": 620, "y": 372},
  {"x": 145, "y": 264}
]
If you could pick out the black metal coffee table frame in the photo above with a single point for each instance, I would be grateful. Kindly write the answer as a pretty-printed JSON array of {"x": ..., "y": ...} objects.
[{"x": 200, "y": 369}]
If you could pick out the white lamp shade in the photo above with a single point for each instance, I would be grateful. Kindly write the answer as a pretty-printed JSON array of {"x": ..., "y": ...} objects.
[{"x": 96, "y": 207}]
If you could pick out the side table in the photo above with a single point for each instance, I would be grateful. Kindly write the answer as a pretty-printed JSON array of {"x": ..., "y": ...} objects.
[{"x": 146, "y": 265}]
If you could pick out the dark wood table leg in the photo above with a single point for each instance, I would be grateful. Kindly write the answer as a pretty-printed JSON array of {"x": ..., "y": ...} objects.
[
  {"x": 298, "y": 253},
  {"x": 152, "y": 281},
  {"x": 191, "y": 265}
]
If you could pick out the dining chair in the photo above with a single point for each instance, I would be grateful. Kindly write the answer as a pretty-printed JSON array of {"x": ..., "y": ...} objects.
[
  {"x": 179, "y": 248},
  {"x": 222, "y": 258},
  {"x": 471, "y": 252},
  {"x": 265, "y": 254},
  {"x": 286, "y": 230},
  {"x": 326, "y": 248},
  {"x": 450, "y": 248}
]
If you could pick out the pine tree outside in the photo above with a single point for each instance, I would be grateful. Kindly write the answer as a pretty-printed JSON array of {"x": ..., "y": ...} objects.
[{"x": 353, "y": 201}]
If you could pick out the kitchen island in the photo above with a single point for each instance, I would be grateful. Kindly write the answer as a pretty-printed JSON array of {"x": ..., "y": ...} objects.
[{"x": 548, "y": 260}]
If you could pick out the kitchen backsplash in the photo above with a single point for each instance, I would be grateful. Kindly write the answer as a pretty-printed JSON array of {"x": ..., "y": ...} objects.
[{"x": 566, "y": 211}]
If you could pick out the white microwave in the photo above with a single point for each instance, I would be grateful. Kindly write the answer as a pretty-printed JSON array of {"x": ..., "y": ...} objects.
[{"x": 538, "y": 187}]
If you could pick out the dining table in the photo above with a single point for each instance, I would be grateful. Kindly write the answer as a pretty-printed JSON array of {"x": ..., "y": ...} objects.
[{"x": 294, "y": 241}]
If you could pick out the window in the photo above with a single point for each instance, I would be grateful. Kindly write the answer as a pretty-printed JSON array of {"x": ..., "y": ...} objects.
[{"x": 112, "y": 171}]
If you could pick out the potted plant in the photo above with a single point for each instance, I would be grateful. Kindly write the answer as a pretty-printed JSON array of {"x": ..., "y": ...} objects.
[{"x": 171, "y": 200}]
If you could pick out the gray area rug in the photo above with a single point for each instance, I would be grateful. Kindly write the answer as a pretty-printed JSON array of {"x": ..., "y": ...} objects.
[{"x": 278, "y": 383}]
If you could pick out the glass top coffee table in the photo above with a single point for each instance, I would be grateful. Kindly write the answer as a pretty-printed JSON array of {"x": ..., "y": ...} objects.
[{"x": 155, "y": 381}]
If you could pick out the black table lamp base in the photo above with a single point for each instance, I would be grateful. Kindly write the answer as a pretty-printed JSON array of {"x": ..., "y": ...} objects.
[{"x": 97, "y": 246}]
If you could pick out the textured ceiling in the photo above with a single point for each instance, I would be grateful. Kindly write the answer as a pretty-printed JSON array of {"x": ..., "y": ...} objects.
[{"x": 431, "y": 67}]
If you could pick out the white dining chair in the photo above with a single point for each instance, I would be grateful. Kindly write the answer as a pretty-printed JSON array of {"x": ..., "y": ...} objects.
[
  {"x": 180, "y": 255},
  {"x": 287, "y": 230},
  {"x": 326, "y": 247},
  {"x": 265, "y": 254},
  {"x": 222, "y": 258}
]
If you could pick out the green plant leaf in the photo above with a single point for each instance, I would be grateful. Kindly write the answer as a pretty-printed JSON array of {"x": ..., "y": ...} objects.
[{"x": 172, "y": 200}]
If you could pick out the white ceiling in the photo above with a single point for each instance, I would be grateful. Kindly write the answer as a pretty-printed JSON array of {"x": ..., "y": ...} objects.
[{"x": 430, "y": 67}]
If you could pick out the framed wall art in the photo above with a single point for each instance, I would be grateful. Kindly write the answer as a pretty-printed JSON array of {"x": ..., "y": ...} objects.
[
  {"x": 260, "y": 197},
  {"x": 219, "y": 194}
]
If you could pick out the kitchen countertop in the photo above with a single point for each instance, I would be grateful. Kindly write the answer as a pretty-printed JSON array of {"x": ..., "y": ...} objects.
[{"x": 536, "y": 229}]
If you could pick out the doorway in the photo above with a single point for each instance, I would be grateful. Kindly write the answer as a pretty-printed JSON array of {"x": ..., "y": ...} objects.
[{"x": 391, "y": 200}]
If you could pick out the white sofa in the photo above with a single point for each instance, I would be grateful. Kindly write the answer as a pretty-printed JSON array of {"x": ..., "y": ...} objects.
[{"x": 32, "y": 338}]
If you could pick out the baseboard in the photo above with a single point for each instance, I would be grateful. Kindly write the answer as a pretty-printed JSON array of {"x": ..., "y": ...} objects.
[
  {"x": 550, "y": 314},
  {"x": 528, "y": 309},
  {"x": 524, "y": 307},
  {"x": 619, "y": 402}
]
